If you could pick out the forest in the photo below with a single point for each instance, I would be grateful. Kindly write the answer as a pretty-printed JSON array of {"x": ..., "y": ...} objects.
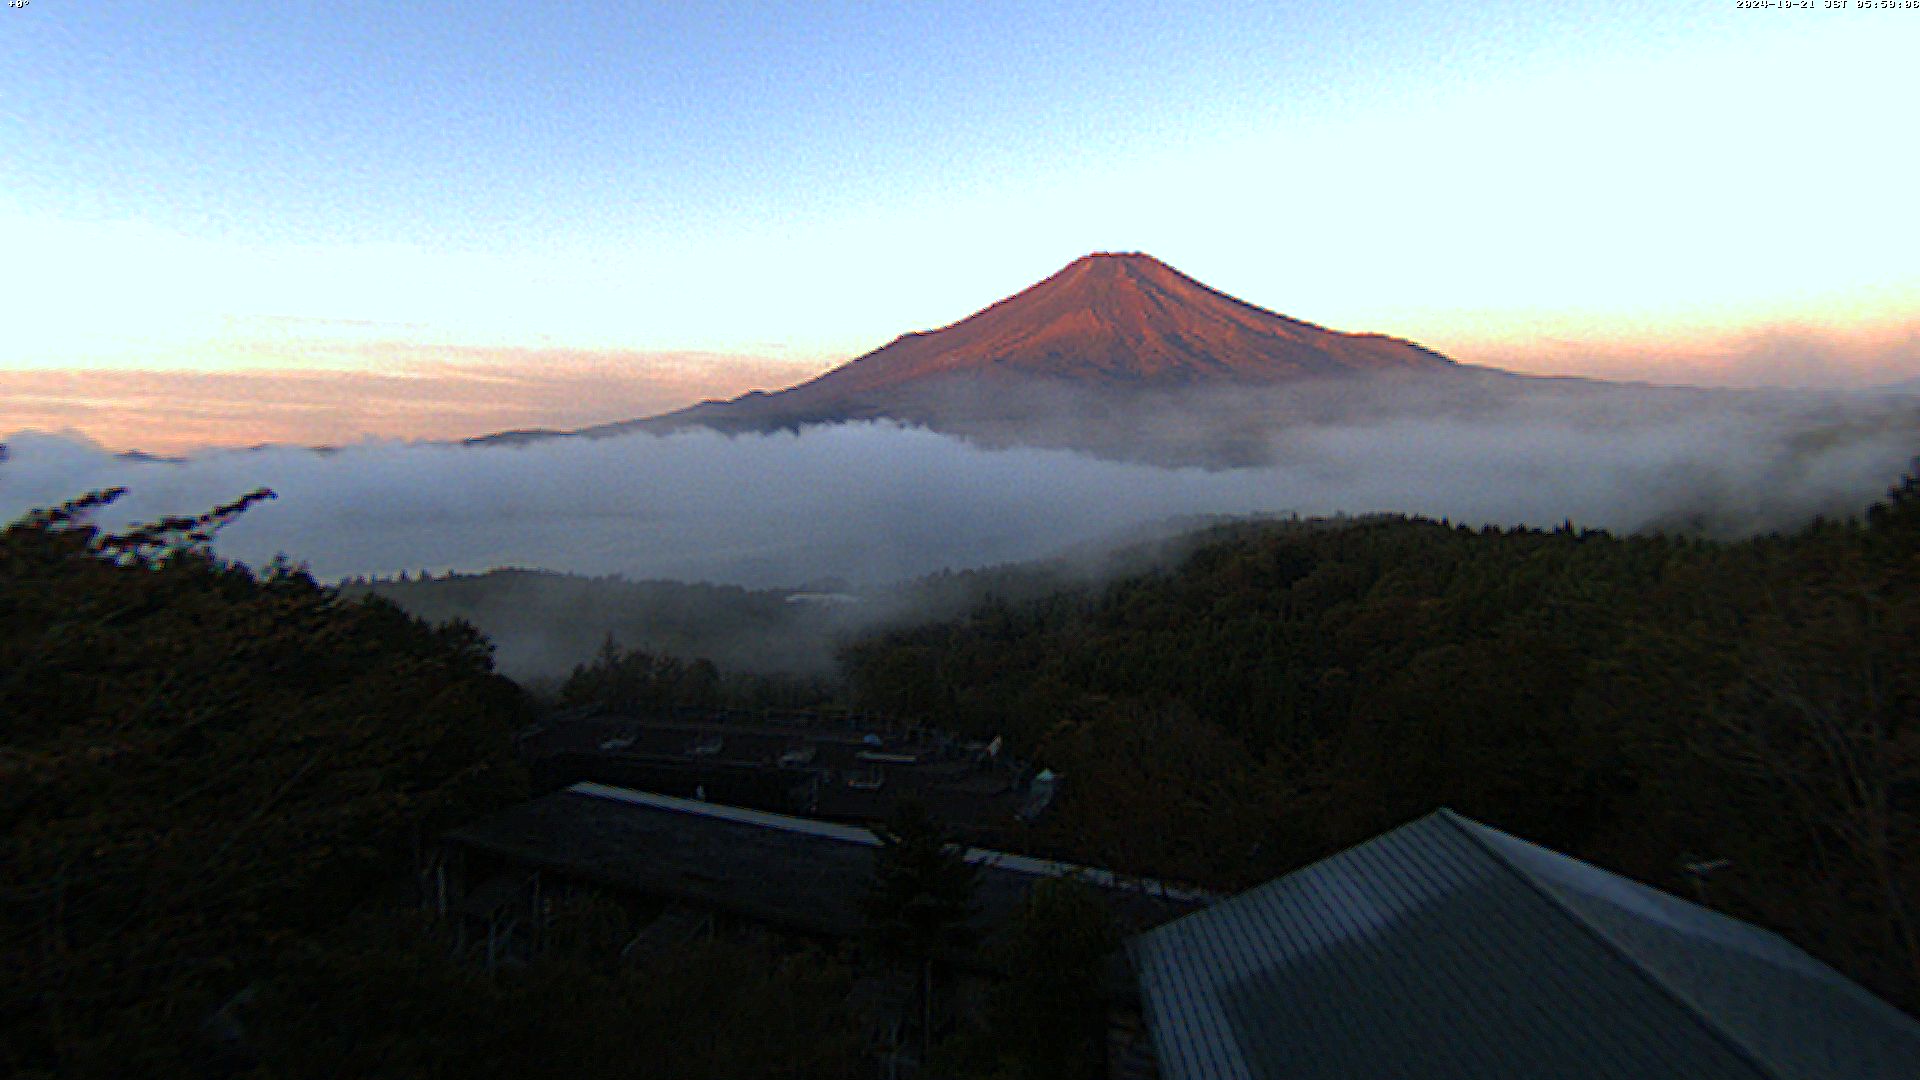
[
  {"x": 1646, "y": 703},
  {"x": 213, "y": 783},
  {"x": 213, "y": 779}
]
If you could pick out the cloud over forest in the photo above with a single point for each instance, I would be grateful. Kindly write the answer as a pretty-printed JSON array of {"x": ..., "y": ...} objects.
[{"x": 879, "y": 502}]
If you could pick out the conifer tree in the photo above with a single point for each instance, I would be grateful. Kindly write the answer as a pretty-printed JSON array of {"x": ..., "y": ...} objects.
[{"x": 920, "y": 902}]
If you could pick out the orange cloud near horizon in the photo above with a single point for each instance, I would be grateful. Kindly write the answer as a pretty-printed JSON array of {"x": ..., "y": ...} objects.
[
  {"x": 418, "y": 393},
  {"x": 406, "y": 391},
  {"x": 1787, "y": 354}
]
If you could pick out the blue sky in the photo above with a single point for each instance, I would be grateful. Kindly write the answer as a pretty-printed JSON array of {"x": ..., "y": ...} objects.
[
  {"x": 470, "y": 126},
  {"x": 226, "y": 187}
]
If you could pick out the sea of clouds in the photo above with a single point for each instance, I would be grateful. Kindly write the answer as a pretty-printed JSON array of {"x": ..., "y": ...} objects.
[{"x": 878, "y": 502}]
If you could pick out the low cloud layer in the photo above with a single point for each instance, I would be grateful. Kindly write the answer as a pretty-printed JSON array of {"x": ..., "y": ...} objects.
[
  {"x": 328, "y": 393},
  {"x": 1772, "y": 355},
  {"x": 876, "y": 502}
]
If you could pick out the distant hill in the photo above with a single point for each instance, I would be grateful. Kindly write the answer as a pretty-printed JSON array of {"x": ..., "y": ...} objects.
[
  {"x": 544, "y": 623},
  {"x": 1098, "y": 356}
]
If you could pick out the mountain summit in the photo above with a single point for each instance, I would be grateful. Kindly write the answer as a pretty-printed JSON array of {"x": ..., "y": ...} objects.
[
  {"x": 1117, "y": 354},
  {"x": 1126, "y": 319}
]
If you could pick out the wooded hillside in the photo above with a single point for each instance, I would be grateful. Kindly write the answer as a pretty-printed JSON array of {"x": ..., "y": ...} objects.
[
  {"x": 212, "y": 783},
  {"x": 212, "y": 779},
  {"x": 1641, "y": 702},
  {"x": 201, "y": 768}
]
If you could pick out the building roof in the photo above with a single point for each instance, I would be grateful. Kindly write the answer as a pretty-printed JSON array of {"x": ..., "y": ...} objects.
[
  {"x": 790, "y": 872},
  {"x": 1446, "y": 948},
  {"x": 860, "y": 770}
]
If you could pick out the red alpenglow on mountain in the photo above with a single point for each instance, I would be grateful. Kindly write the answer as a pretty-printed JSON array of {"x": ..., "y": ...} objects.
[
  {"x": 1117, "y": 354},
  {"x": 1128, "y": 319}
]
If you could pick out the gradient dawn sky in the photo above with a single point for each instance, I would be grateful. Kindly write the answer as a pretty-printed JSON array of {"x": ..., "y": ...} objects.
[{"x": 240, "y": 222}]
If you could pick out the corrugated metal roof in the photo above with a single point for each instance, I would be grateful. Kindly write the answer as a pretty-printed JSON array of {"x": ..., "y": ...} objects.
[
  {"x": 1024, "y": 864},
  {"x": 783, "y": 822},
  {"x": 1447, "y": 949},
  {"x": 786, "y": 871}
]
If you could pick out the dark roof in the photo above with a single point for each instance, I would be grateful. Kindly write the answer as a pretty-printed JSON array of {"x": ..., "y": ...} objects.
[
  {"x": 982, "y": 800},
  {"x": 1446, "y": 949},
  {"x": 789, "y": 872}
]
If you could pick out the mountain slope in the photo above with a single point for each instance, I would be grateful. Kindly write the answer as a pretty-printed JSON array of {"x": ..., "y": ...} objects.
[
  {"x": 1094, "y": 357},
  {"x": 1126, "y": 319}
]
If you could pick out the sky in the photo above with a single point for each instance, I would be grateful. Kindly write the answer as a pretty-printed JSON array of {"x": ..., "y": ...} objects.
[{"x": 235, "y": 223}]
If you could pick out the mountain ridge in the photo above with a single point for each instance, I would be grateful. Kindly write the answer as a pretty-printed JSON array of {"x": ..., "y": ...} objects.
[
  {"x": 1110, "y": 332},
  {"x": 1121, "y": 317}
]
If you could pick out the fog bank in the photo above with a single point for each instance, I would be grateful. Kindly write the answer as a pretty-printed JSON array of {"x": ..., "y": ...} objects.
[{"x": 874, "y": 502}]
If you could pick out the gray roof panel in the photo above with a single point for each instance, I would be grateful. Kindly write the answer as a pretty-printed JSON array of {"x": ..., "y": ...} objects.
[
  {"x": 1446, "y": 949},
  {"x": 1796, "y": 1014}
]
